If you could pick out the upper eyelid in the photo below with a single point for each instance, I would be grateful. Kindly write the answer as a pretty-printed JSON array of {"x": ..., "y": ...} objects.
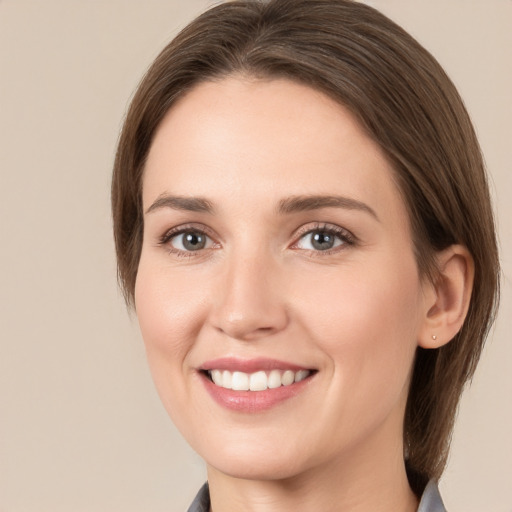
[
  {"x": 183, "y": 228},
  {"x": 323, "y": 226}
]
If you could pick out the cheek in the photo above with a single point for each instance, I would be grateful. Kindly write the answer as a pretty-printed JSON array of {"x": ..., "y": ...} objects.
[
  {"x": 169, "y": 310},
  {"x": 366, "y": 320},
  {"x": 383, "y": 299}
]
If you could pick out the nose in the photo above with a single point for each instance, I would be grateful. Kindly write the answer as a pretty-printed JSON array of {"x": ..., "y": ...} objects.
[{"x": 251, "y": 302}]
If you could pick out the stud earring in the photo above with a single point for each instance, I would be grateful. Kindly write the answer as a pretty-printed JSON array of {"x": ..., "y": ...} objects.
[{"x": 434, "y": 337}]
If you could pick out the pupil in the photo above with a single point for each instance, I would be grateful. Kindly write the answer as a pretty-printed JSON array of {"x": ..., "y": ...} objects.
[
  {"x": 194, "y": 241},
  {"x": 322, "y": 241}
]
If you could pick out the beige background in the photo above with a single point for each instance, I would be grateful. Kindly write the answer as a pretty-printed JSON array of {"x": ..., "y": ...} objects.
[{"x": 81, "y": 428}]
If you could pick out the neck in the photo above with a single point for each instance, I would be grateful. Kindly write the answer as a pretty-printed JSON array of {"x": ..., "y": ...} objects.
[{"x": 363, "y": 481}]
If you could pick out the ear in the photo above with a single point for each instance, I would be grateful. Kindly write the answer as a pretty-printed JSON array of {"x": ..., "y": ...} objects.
[{"x": 447, "y": 298}]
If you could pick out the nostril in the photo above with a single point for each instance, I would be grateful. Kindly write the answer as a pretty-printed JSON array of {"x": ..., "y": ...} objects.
[{"x": 246, "y": 313}]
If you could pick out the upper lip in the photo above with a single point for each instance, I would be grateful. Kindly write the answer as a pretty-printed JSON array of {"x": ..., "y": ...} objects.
[{"x": 234, "y": 364}]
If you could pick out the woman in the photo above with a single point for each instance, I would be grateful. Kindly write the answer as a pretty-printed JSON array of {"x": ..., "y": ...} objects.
[{"x": 302, "y": 221}]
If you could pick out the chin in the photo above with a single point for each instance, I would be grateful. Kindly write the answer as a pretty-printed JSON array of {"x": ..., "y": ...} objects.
[
  {"x": 255, "y": 470},
  {"x": 255, "y": 463}
]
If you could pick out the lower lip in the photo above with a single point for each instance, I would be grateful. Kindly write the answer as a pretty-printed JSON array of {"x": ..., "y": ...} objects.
[{"x": 253, "y": 401}]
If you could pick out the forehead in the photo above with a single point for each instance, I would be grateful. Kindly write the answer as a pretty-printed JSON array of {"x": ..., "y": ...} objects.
[{"x": 262, "y": 140}]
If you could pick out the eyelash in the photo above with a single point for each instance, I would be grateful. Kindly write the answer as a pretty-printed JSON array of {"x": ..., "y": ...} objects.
[
  {"x": 345, "y": 236},
  {"x": 165, "y": 239}
]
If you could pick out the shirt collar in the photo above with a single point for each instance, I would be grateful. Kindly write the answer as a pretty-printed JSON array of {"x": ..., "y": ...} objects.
[
  {"x": 201, "y": 502},
  {"x": 430, "y": 501}
]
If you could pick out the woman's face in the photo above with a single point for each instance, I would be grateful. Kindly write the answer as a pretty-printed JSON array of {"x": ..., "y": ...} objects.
[{"x": 276, "y": 249}]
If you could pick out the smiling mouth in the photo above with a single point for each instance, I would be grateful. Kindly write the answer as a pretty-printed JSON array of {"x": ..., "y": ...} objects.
[{"x": 256, "y": 381}]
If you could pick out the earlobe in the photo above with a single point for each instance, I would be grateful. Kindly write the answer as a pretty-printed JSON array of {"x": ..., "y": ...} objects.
[{"x": 448, "y": 298}]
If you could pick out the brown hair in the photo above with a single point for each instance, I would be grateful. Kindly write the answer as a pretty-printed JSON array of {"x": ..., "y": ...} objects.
[{"x": 406, "y": 103}]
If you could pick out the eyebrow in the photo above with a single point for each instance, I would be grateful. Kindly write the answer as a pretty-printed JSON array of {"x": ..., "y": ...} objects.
[
  {"x": 190, "y": 204},
  {"x": 286, "y": 206},
  {"x": 316, "y": 202}
]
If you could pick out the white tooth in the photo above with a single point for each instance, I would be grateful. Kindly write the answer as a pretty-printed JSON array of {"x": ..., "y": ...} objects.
[
  {"x": 258, "y": 381},
  {"x": 288, "y": 378},
  {"x": 274, "y": 379},
  {"x": 240, "y": 381},
  {"x": 301, "y": 375},
  {"x": 226, "y": 379},
  {"x": 216, "y": 376}
]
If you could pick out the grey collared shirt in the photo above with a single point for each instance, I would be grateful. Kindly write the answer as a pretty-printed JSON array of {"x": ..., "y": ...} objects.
[{"x": 430, "y": 501}]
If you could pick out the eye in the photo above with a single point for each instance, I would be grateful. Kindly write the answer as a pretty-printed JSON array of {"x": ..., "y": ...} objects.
[
  {"x": 186, "y": 240},
  {"x": 324, "y": 239},
  {"x": 189, "y": 241}
]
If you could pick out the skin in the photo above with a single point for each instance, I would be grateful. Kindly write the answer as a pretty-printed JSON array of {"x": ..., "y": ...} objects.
[{"x": 259, "y": 288}]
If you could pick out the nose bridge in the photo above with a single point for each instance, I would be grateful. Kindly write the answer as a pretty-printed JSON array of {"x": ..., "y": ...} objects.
[{"x": 250, "y": 302}]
